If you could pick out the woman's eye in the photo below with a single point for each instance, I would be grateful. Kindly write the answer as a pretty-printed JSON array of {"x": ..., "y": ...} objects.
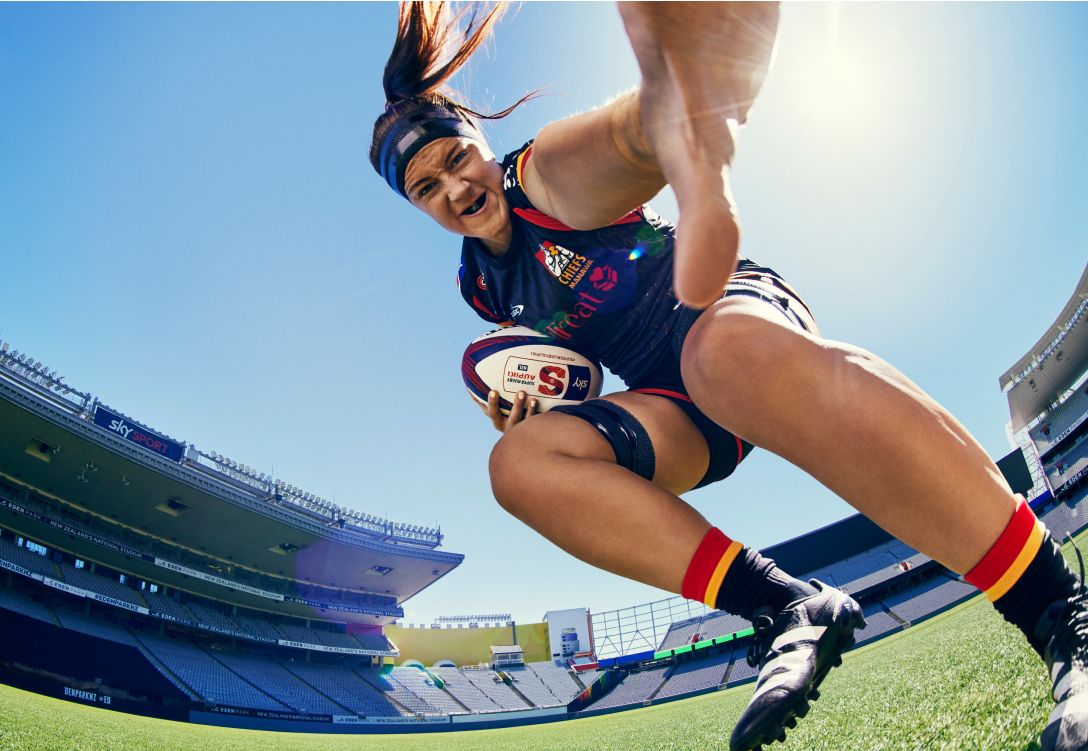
[
  {"x": 459, "y": 157},
  {"x": 424, "y": 190}
]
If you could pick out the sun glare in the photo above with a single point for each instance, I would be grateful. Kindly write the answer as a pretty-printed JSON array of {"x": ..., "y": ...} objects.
[
  {"x": 843, "y": 79},
  {"x": 839, "y": 88}
]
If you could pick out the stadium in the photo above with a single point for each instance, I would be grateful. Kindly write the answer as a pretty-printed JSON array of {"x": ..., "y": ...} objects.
[
  {"x": 193, "y": 232},
  {"x": 126, "y": 589}
]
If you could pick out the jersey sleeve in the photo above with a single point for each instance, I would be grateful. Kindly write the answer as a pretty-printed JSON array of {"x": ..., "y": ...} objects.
[
  {"x": 513, "y": 165},
  {"x": 468, "y": 282}
]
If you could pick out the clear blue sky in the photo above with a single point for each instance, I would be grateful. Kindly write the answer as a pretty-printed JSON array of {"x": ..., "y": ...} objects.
[{"x": 191, "y": 230}]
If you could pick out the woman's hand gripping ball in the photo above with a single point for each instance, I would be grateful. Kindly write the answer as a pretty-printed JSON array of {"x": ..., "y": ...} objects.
[{"x": 521, "y": 409}]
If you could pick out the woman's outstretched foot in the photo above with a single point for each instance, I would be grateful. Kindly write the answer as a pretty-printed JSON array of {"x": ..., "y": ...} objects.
[
  {"x": 1063, "y": 628},
  {"x": 795, "y": 649},
  {"x": 702, "y": 65}
]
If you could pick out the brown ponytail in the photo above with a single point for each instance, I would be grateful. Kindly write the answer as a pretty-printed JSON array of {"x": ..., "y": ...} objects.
[{"x": 429, "y": 49}]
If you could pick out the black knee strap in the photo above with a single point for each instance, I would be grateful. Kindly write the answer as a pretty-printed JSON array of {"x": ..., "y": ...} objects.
[{"x": 625, "y": 434}]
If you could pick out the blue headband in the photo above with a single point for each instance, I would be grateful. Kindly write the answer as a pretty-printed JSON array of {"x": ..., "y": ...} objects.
[{"x": 412, "y": 132}]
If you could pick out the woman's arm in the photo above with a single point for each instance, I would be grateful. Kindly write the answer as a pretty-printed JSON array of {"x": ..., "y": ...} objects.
[{"x": 589, "y": 170}]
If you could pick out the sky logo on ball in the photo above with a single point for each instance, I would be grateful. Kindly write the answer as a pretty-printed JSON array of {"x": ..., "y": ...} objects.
[{"x": 542, "y": 378}]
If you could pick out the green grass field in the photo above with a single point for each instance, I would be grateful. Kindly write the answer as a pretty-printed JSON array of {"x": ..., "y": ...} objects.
[{"x": 963, "y": 680}]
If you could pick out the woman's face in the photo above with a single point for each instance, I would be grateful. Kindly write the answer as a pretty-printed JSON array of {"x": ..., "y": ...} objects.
[{"x": 458, "y": 183}]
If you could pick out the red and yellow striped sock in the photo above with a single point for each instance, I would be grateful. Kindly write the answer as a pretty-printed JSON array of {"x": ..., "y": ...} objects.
[
  {"x": 709, "y": 566},
  {"x": 1011, "y": 555}
]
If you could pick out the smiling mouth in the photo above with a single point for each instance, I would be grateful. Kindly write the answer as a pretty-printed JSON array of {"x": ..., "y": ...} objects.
[{"x": 474, "y": 208}]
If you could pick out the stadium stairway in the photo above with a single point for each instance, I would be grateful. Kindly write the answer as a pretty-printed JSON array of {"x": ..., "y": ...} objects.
[
  {"x": 278, "y": 682},
  {"x": 467, "y": 692},
  {"x": 527, "y": 684},
  {"x": 557, "y": 677},
  {"x": 420, "y": 683},
  {"x": 489, "y": 682},
  {"x": 53, "y": 615},
  {"x": 167, "y": 673},
  {"x": 391, "y": 689},
  {"x": 343, "y": 686},
  {"x": 517, "y": 692}
]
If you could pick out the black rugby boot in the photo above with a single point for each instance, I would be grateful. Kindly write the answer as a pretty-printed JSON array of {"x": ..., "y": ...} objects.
[
  {"x": 794, "y": 648},
  {"x": 1063, "y": 627}
]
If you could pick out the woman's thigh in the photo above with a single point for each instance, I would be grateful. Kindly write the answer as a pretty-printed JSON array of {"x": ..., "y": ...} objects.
[
  {"x": 743, "y": 361},
  {"x": 681, "y": 455}
]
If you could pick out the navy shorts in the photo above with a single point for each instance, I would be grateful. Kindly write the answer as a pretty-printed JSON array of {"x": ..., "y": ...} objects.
[{"x": 726, "y": 449}]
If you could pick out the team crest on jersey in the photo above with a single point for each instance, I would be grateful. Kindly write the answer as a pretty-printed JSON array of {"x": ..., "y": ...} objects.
[{"x": 565, "y": 265}]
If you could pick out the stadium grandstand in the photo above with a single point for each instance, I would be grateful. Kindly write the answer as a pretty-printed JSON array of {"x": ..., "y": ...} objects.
[
  {"x": 1048, "y": 404},
  {"x": 115, "y": 585}
]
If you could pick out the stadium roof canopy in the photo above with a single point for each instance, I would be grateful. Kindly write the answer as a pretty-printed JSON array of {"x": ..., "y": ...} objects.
[
  {"x": 1053, "y": 365},
  {"x": 91, "y": 470}
]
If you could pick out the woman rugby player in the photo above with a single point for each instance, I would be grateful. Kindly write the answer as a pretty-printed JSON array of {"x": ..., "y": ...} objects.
[{"x": 719, "y": 354}]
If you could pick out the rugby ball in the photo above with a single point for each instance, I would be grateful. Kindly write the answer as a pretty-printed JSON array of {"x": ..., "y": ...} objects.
[{"x": 518, "y": 358}]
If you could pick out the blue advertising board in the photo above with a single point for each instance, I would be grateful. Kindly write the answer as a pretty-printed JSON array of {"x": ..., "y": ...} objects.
[{"x": 114, "y": 423}]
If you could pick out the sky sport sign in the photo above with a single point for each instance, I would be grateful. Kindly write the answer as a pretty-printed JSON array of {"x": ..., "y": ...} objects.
[{"x": 154, "y": 442}]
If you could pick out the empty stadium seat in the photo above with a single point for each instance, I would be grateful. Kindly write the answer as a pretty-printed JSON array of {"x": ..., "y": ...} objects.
[
  {"x": 877, "y": 624},
  {"x": 93, "y": 627},
  {"x": 529, "y": 685},
  {"x": 344, "y": 687},
  {"x": 558, "y": 680},
  {"x": 634, "y": 689},
  {"x": 490, "y": 684},
  {"x": 279, "y": 683},
  {"x": 929, "y": 597},
  {"x": 419, "y": 683},
  {"x": 392, "y": 688},
  {"x": 465, "y": 691},
  {"x": 28, "y": 559},
  {"x": 696, "y": 675},
  {"x": 84, "y": 579},
  {"x": 19, "y": 604},
  {"x": 205, "y": 676}
]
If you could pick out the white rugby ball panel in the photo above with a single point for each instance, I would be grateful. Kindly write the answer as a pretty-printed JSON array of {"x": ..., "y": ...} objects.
[{"x": 520, "y": 359}]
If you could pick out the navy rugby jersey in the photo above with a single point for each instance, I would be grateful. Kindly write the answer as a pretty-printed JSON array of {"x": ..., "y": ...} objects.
[{"x": 608, "y": 290}]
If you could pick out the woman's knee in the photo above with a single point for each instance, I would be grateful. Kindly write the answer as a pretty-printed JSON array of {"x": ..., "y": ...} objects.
[
  {"x": 530, "y": 456},
  {"x": 506, "y": 467}
]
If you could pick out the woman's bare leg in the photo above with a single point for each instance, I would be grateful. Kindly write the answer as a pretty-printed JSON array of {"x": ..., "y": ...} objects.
[
  {"x": 557, "y": 474},
  {"x": 854, "y": 423}
]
